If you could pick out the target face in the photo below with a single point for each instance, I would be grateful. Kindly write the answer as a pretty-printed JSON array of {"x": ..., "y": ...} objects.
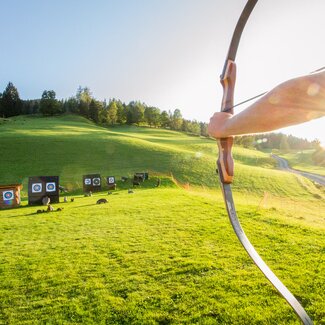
[
  {"x": 50, "y": 187},
  {"x": 8, "y": 195},
  {"x": 96, "y": 181},
  {"x": 111, "y": 180},
  {"x": 87, "y": 181},
  {"x": 37, "y": 188}
]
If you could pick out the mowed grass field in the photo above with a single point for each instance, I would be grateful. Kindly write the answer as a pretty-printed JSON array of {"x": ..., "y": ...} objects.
[{"x": 164, "y": 255}]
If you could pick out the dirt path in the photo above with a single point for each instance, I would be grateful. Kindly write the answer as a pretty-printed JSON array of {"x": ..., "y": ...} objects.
[{"x": 283, "y": 164}]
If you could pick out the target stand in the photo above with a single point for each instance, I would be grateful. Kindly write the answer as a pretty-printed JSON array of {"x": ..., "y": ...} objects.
[
  {"x": 111, "y": 182},
  {"x": 10, "y": 196},
  {"x": 41, "y": 186},
  {"x": 92, "y": 182}
]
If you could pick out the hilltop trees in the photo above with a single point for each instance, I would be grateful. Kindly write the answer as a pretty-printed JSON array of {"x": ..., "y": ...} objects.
[
  {"x": 95, "y": 108},
  {"x": 1, "y": 112},
  {"x": 135, "y": 113},
  {"x": 318, "y": 156},
  {"x": 84, "y": 98},
  {"x": 176, "y": 120},
  {"x": 112, "y": 115},
  {"x": 164, "y": 119},
  {"x": 10, "y": 103},
  {"x": 138, "y": 113},
  {"x": 49, "y": 105},
  {"x": 152, "y": 116}
]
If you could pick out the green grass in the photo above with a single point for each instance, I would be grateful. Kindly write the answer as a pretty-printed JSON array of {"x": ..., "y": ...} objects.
[
  {"x": 161, "y": 255},
  {"x": 70, "y": 146},
  {"x": 158, "y": 256},
  {"x": 302, "y": 160}
]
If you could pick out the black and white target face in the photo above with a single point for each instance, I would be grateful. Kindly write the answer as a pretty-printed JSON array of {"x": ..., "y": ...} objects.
[
  {"x": 87, "y": 181},
  {"x": 111, "y": 180},
  {"x": 37, "y": 188},
  {"x": 8, "y": 195},
  {"x": 50, "y": 187},
  {"x": 96, "y": 181}
]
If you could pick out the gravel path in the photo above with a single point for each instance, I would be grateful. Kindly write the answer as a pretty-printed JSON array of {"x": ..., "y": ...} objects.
[{"x": 283, "y": 164}]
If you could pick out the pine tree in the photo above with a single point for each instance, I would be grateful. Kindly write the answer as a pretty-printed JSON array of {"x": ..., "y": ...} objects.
[{"x": 10, "y": 101}]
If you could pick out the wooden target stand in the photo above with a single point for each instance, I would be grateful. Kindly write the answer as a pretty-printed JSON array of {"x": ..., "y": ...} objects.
[{"x": 42, "y": 186}]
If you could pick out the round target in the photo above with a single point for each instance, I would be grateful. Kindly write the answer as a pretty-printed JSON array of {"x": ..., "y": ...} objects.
[
  {"x": 8, "y": 195},
  {"x": 87, "y": 181},
  {"x": 50, "y": 187},
  {"x": 96, "y": 181},
  {"x": 37, "y": 188},
  {"x": 111, "y": 180}
]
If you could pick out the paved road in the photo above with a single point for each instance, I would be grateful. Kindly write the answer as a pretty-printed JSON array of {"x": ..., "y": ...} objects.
[{"x": 283, "y": 164}]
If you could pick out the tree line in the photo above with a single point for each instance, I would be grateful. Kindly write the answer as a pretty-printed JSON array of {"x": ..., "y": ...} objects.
[
  {"x": 101, "y": 112},
  {"x": 116, "y": 112}
]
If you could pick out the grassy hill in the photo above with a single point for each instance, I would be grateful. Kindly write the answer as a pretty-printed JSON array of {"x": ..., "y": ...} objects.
[
  {"x": 71, "y": 146},
  {"x": 163, "y": 255}
]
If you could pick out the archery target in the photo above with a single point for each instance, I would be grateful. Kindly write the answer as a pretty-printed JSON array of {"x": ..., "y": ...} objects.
[
  {"x": 96, "y": 181},
  {"x": 111, "y": 180},
  {"x": 50, "y": 187},
  {"x": 37, "y": 188},
  {"x": 87, "y": 181},
  {"x": 8, "y": 195}
]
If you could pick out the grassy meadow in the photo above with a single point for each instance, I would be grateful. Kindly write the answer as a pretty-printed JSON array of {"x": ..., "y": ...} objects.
[
  {"x": 303, "y": 161},
  {"x": 164, "y": 255}
]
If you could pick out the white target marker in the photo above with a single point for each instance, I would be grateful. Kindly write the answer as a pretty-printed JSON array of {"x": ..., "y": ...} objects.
[
  {"x": 8, "y": 195},
  {"x": 50, "y": 187},
  {"x": 87, "y": 181},
  {"x": 37, "y": 188},
  {"x": 96, "y": 181},
  {"x": 111, "y": 180}
]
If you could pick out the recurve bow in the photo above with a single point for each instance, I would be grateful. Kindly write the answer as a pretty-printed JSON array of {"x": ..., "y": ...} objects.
[{"x": 226, "y": 165}]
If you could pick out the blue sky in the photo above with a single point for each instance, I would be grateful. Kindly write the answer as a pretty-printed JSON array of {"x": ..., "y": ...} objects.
[{"x": 167, "y": 53}]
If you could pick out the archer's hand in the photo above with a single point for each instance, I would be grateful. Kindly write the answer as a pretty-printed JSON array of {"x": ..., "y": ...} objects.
[{"x": 217, "y": 125}]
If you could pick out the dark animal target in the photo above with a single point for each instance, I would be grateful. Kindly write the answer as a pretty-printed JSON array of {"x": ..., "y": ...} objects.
[
  {"x": 139, "y": 177},
  {"x": 143, "y": 175},
  {"x": 101, "y": 201}
]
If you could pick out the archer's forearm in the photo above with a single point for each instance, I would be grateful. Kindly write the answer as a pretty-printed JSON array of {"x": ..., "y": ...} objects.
[{"x": 292, "y": 102}]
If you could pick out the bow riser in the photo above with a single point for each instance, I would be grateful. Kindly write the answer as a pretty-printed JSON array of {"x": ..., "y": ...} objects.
[{"x": 225, "y": 161}]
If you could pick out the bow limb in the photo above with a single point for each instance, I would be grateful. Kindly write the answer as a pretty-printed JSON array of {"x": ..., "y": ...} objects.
[{"x": 226, "y": 166}]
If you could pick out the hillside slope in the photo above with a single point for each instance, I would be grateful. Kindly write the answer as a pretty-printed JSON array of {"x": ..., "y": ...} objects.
[{"x": 71, "y": 146}]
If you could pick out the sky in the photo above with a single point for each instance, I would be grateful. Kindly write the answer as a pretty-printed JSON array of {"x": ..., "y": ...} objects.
[{"x": 166, "y": 53}]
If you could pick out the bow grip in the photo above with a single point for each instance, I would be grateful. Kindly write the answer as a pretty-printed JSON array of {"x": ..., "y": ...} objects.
[{"x": 225, "y": 160}]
